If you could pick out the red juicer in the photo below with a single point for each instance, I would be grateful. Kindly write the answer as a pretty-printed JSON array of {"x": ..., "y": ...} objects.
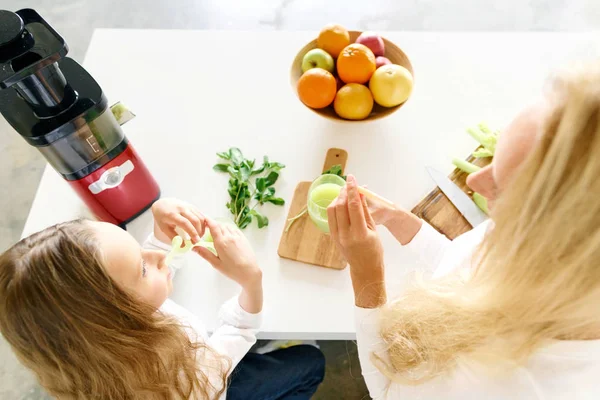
[{"x": 56, "y": 106}]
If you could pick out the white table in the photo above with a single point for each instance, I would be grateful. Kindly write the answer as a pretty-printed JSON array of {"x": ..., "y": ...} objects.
[{"x": 199, "y": 92}]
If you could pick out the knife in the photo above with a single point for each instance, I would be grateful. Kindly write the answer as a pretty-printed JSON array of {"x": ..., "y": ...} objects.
[{"x": 458, "y": 198}]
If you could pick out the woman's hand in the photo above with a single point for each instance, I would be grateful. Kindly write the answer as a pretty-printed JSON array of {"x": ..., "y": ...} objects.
[
  {"x": 172, "y": 213},
  {"x": 403, "y": 224},
  {"x": 236, "y": 261},
  {"x": 353, "y": 229},
  {"x": 381, "y": 213}
]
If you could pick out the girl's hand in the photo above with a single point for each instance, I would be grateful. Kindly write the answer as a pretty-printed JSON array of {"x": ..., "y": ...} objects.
[
  {"x": 353, "y": 229},
  {"x": 172, "y": 213},
  {"x": 236, "y": 258}
]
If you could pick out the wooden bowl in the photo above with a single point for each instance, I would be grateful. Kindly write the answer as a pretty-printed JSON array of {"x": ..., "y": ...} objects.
[{"x": 392, "y": 52}]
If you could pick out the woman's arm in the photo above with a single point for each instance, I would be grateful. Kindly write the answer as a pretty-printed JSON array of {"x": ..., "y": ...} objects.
[
  {"x": 369, "y": 342},
  {"x": 411, "y": 231},
  {"x": 403, "y": 225},
  {"x": 353, "y": 229}
]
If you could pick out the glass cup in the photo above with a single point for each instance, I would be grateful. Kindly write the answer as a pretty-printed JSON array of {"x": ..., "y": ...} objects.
[{"x": 322, "y": 192}]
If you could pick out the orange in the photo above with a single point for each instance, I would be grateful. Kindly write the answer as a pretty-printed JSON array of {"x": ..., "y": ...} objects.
[
  {"x": 333, "y": 38},
  {"x": 353, "y": 101},
  {"x": 356, "y": 64},
  {"x": 316, "y": 88}
]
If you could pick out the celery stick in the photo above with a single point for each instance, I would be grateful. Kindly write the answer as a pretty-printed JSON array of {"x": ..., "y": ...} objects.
[
  {"x": 487, "y": 140},
  {"x": 482, "y": 153},
  {"x": 484, "y": 128},
  {"x": 481, "y": 202},
  {"x": 465, "y": 166}
]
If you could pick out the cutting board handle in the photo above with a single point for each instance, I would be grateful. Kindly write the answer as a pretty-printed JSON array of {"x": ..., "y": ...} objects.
[{"x": 335, "y": 157}]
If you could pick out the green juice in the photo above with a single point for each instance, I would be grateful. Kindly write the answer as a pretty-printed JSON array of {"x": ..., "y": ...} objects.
[
  {"x": 324, "y": 194},
  {"x": 320, "y": 197}
]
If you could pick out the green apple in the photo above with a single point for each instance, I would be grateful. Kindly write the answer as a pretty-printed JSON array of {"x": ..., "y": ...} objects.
[{"x": 317, "y": 58}]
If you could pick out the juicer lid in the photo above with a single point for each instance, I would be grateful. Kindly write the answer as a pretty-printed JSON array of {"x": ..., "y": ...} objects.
[{"x": 27, "y": 44}]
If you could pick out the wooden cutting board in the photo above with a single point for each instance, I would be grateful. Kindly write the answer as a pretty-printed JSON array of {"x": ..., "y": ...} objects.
[
  {"x": 440, "y": 213},
  {"x": 304, "y": 242}
]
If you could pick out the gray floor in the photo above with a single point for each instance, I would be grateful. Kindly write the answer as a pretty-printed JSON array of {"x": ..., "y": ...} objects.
[{"x": 21, "y": 166}]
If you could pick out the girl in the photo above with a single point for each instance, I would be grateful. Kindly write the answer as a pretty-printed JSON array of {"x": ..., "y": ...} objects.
[
  {"x": 86, "y": 308},
  {"x": 517, "y": 319}
]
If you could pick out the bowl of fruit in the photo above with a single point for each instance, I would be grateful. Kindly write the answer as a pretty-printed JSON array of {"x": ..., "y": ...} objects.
[{"x": 352, "y": 75}]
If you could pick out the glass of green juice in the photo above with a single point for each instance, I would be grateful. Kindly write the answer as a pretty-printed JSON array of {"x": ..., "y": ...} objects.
[{"x": 322, "y": 192}]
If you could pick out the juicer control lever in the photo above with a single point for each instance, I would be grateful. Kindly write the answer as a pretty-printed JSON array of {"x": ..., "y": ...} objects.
[{"x": 111, "y": 178}]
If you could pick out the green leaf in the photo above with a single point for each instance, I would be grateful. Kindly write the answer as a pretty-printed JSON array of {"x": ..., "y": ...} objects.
[
  {"x": 245, "y": 171},
  {"x": 260, "y": 219},
  {"x": 258, "y": 171},
  {"x": 278, "y": 201},
  {"x": 224, "y": 156},
  {"x": 271, "y": 178},
  {"x": 233, "y": 172},
  {"x": 261, "y": 184},
  {"x": 245, "y": 220},
  {"x": 275, "y": 166},
  {"x": 334, "y": 170},
  {"x": 236, "y": 155},
  {"x": 243, "y": 201},
  {"x": 221, "y": 167}
]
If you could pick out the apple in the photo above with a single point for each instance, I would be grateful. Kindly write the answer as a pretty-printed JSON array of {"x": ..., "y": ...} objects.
[
  {"x": 373, "y": 41},
  {"x": 317, "y": 58},
  {"x": 381, "y": 60},
  {"x": 339, "y": 83},
  {"x": 391, "y": 85}
]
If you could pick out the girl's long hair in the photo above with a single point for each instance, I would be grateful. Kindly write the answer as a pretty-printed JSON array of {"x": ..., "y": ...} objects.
[{"x": 85, "y": 337}]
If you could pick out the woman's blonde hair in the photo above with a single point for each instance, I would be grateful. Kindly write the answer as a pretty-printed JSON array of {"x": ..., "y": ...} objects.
[
  {"x": 538, "y": 270},
  {"x": 85, "y": 337}
]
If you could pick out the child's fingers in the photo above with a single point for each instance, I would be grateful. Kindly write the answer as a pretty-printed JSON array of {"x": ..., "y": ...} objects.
[
  {"x": 168, "y": 230},
  {"x": 201, "y": 217},
  {"x": 208, "y": 256},
  {"x": 197, "y": 223},
  {"x": 215, "y": 229},
  {"x": 186, "y": 225}
]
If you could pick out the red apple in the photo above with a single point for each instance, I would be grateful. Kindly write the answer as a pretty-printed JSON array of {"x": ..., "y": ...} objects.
[
  {"x": 381, "y": 60},
  {"x": 339, "y": 83},
  {"x": 373, "y": 41}
]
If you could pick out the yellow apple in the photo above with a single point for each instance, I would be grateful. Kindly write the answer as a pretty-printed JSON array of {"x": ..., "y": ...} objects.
[{"x": 391, "y": 85}]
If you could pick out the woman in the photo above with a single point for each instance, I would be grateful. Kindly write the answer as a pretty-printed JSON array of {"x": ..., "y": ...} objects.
[
  {"x": 86, "y": 308},
  {"x": 512, "y": 311}
]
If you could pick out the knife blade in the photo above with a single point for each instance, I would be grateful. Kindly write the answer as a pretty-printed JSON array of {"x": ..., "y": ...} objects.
[{"x": 458, "y": 198}]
